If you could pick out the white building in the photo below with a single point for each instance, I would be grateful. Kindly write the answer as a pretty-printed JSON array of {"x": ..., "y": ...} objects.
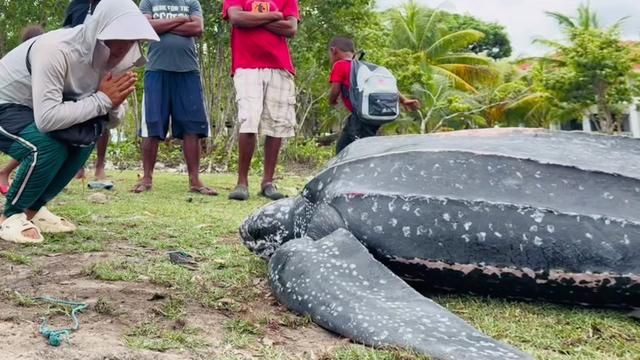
[{"x": 630, "y": 122}]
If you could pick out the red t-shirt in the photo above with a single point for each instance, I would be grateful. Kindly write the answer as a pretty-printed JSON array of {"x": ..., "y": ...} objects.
[
  {"x": 259, "y": 48},
  {"x": 341, "y": 74}
]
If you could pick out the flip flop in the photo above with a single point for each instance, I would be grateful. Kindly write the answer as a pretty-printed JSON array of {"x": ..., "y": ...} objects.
[
  {"x": 99, "y": 185},
  {"x": 50, "y": 223},
  {"x": 11, "y": 230},
  {"x": 183, "y": 259},
  {"x": 141, "y": 187},
  {"x": 204, "y": 190}
]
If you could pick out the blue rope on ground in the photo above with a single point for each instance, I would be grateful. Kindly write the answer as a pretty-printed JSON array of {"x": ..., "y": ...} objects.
[{"x": 55, "y": 337}]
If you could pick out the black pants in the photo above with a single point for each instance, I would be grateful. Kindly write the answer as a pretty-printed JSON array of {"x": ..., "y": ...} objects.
[{"x": 353, "y": 130}]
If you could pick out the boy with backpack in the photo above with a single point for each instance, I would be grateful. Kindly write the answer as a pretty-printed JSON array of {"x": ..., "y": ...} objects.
[{"x": 375, "y": 93}]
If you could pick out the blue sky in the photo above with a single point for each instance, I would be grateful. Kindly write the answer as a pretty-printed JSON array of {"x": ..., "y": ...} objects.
[{"x": 525, "y": 19}]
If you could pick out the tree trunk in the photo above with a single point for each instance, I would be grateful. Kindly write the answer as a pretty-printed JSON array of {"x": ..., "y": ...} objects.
[{"x": 605, "y": 118}]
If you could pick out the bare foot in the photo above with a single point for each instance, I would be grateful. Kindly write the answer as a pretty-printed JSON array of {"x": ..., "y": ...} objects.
[
  {"x": 4, "y": 182},
  {"x": 100, "y": 174},
  {"x": 198, "y": 186},
  {"x": 80, "y": 175},
  {"x": 31, "y": 233},
  {"x": 142, "y": 186}
]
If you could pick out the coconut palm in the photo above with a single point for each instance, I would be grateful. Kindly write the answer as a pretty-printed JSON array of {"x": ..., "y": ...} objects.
[
  {"x": 586, "y": 19},
  {"x": 417, "y": 28},
  {"x": 576, "y": 28}
]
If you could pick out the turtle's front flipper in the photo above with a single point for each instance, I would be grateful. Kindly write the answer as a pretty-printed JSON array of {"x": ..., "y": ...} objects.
[{"x": 344, "y": 289}]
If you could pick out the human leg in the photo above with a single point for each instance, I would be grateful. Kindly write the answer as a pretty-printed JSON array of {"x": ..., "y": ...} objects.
[
  {"x": 249, "y": 85},
  {"x": 190, "y": 123},
  {"x": 278, "y": 122},
  {"x": 101, "y": 152},
  {"x": 154, "y": 123}
]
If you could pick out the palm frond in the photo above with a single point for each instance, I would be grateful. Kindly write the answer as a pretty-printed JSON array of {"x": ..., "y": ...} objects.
[
  {"x": 457, "y": 82},
  {"x": 465, "y": 58},
  {"x": 472, "y": 74},
  {"x": 563, "y": 20},
  {"x": 454, "y": 41},
  {"x": 403, "y": 31},
  {"x": 543, "y": 59},
  {"x": 549, "y": 43}
]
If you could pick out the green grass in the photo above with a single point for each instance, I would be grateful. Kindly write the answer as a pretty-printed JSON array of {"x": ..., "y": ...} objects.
[
  {"x": 241, "y": 333},
  {"x": 14, "y": 258},
  {"x": 139, "y": 230},
  {"x": 114, "y": 271},
  {"x": 354, "y": 352},
  {"x": 151, "y": 336}
]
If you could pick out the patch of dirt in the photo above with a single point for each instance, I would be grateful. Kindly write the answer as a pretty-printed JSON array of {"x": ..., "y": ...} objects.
[{"x": 102, "y": 336}]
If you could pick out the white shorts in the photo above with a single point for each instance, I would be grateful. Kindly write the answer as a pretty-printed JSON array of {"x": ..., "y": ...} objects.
[{"x": 266, "y": 101}]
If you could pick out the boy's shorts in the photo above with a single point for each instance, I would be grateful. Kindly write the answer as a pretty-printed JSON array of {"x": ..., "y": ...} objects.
[
  {"x": 266, "y": 101},
  {"x": 176, "y": 99}
]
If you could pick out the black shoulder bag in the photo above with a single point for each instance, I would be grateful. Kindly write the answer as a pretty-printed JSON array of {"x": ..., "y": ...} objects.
[{"x": 82, "y": 135}]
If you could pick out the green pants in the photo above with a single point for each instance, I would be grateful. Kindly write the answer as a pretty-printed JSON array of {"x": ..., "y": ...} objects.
[{"x": 46, "y": 167}]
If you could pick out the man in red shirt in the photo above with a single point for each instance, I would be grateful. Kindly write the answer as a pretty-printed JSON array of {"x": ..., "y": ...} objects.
[
  {"x": 263, "y": 73},
  {"x": 341, "y": 51}
]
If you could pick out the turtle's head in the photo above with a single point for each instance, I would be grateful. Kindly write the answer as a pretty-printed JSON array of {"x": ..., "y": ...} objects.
[{"x": 274, "y": 224}]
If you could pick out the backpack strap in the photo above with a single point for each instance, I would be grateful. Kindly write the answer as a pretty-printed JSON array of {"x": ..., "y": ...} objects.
[{"x": 27, "y": 61}]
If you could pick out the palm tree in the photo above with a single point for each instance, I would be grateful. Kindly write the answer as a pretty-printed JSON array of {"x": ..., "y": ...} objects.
[
  {"x": 587, "y": 19},
  {"x": 417, "y": 28}
]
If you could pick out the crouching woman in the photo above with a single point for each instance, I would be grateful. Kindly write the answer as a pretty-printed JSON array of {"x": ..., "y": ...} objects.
[{"x": 58, "y": 92}]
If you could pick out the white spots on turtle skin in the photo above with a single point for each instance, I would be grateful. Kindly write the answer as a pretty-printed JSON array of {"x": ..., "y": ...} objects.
[
  {"x": 519, "y": 175},
  {"x": 406, "y": 230},
  {"x": 466, "y": 238},
  {"x": 482, "y": 236},
  {"x": 393, "y": 222},
  {"x": 551, "y": 229},
  {"x": 581, "y": 188},
  {"x": 498, "y": 235},
  {"x": 378, "y": 229},
  {"x": 392, "y": 205},
  {"x": 337, "y": 295},
  {"x": 436, "y": 167},
  {"x": 608, "y": 196},
  {"x": 446, "y": 217},
  {"x": 374, "y": 208},
  {"x": 406, "y": 206},
  {"x": 537, "y": 241},
  {"x": 626, "y": 240},
  {"x": 320, "y": 186},
  {"x": 589, "y": 236},
  {"x": 364, "y": 216},
  {"x": 537, "y": 175},
  {"x": 538, "y": 216},
  {"x": 416, "y": 212}
]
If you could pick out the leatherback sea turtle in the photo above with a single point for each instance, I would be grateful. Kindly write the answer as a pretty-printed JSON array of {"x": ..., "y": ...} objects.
[{"x": 520, "y": 213}]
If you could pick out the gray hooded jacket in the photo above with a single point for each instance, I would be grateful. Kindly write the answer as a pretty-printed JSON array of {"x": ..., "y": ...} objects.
[{"x": 70, "y": 63}]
